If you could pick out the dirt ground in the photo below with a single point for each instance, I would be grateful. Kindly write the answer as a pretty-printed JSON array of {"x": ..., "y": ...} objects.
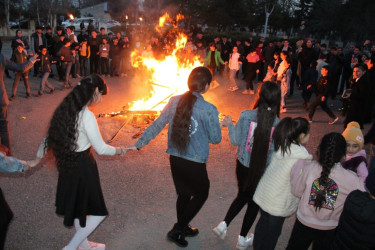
[{"x": 138, "y": 188}]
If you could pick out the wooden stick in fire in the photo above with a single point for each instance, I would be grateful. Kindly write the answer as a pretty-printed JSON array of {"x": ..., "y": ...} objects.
[{"x": 127, "y": 121}]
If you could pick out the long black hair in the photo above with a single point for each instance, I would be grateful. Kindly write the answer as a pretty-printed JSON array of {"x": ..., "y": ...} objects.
[
  {"x": 199, "y": 78},
  {"x": 288, "y": 132},
  {"x": 268, "y": 105},
  {"x": 62, "y": 132},
  {"x": 331, "y": 150}
]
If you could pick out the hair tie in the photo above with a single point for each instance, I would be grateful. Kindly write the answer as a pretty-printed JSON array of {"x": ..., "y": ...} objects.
[{"x": 269, "y": 108}]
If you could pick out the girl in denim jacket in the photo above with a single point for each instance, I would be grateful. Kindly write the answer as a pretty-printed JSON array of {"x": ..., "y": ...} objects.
[
  {"x": 193, "y": 124},
  {"x": 252, "y": 134}
]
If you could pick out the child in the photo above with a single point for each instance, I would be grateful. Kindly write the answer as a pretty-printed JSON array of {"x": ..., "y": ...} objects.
[
  {"x": 355, "y": 154},
  {"x": 253, "y": 136},
  {"x": 252, "y": 68},
  {"x": 273, "y": 194},
  {"x": 234, "y": 66},
  {"x": 323, "y": 187},
  {"x": 285, "y": 82},
  {"x": 19, "y": 56},
  {"x": 309, "y": 78},
  {"x": 213, "y": 60},
  {"x": 104, "y": 57},
  {"x": 45, "y": 69},
  {"x": 72, "y": 132},
  {"x": 270, "y": 74},
  {"x": 322, "y": 87},
  {"x": 84, "y": 55},
  {"x": 193, "y": 125},
  {"x": 356, "y": 229}
]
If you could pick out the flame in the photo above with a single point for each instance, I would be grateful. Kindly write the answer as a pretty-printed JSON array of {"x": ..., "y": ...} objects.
[
  {"x": 71, "y": 17},
  {"x": 169, "y": 75}
]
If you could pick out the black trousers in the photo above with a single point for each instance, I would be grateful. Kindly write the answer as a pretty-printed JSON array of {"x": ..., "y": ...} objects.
[
  {"x": 4, "y": 129},
  {"x": 323, "y": 105},
  {"x": 267, "y": 231},
  {"x": 302, "y": 236},
  {"x": 192, "y": 187},
  {"x": 6, "y": 216},
  {"x": 241, "y": 200}
]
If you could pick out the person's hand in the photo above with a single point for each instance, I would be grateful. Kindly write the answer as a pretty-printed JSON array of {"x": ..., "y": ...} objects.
[
  {"x": 33, "y": 163},
  {"x": 257, "y": 71},
  {"x": 19, "y": 41},
  {"x": 226, "y": 121},
  {"x": 239, "y": 62},
  {"x": 62, "y": 58},
  {"x": 308, "y": 86},
  {"x": 225, "y": 62},
  {"x": 323, "y": 98}
]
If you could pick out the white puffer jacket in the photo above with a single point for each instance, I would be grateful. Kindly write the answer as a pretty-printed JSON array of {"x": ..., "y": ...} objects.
[{"x": 273, "y": 193}]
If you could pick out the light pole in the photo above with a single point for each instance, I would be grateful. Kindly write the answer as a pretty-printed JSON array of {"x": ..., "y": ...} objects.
[{"x": 140, "y": 20}]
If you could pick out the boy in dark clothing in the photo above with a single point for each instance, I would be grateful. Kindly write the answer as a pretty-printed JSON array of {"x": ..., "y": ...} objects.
[
  {"x": 310, "y": 77},
  {"x": 66, "y": 58},
  {"x": 115, "y": 55},
  {"x": 19, "y": 56},
  {"x": 322, "y": 88},
  {"x": 45, "y": 69},
  {"x": 94, "y": 43}
]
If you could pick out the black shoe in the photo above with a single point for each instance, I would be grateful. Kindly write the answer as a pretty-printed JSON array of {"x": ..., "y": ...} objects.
[
  {"x": 28, "y": 95},
  {"x": 12, "y": 98},
  {"x": 177, "y": 237},
  {"x": 191, "y": 231},
  {"x": 40, "y": 93},
  {"x": 51, "y": 91}
]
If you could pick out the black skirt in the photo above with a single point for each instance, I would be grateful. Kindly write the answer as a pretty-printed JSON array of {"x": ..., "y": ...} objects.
[{"x": 79, "y": 192}]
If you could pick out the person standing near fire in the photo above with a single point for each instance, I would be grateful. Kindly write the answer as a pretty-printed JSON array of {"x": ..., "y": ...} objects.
[
  {"x": 73, "y": 131},
  {"x": 193, "y": 125},
  {"x": 214, "y": 60}
]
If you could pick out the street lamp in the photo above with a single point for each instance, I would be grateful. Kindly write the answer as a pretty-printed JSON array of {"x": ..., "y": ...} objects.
[{"x": 140, "y": 20}]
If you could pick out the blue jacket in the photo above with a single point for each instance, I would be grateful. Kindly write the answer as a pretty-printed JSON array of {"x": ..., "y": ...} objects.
[
  {"x": 238, "y": 136},
  {"x": 11, "y": 164},
  {"x": 204, "y": 129}
]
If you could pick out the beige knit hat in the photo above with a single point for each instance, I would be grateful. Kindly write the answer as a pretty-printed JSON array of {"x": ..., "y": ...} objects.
[{"x": 353, "y": 133}]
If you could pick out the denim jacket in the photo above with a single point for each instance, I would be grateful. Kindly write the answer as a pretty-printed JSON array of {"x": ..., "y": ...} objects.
[
  {"x": 11, "y": 164},
  {"x": 204, "y": 129},
  {"x": 238, "y": 136}
]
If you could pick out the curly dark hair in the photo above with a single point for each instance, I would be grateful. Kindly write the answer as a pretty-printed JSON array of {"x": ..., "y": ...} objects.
[
  {"x": 330, "y": 151},
  {"x": 288, "y": 131},
  {"x": 199, "y": 78},
  {"x": 62, "y": 132},
  {"x": 268, "y": 105}
]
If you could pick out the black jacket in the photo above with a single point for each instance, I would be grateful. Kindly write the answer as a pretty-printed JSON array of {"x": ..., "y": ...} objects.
[{"x": 356, "y": 229}]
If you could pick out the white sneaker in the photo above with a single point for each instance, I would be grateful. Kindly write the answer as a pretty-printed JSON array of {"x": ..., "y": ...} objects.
[
  {"x": 251, "y": 92},
  {"x": 221, "y": 230},
  {"x": 244, "y": 242},
  {"x": 93, "y": 246},
  {"x": 246, "y": 92}
]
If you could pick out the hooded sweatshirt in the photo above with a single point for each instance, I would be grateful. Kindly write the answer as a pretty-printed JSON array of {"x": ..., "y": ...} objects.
[
  {"x": 304, "y": 180},
  {"x": 273, "y": 193}
]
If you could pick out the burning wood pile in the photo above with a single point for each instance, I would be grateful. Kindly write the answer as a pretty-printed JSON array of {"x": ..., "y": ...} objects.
[{"x": 168, "y": 77}]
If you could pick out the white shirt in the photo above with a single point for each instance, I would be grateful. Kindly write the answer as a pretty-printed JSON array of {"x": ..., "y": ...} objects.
[
  {"x": 87, "y": 134},
  {"x": 233, "y": 61}
]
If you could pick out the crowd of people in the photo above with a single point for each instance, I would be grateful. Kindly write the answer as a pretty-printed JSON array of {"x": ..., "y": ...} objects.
[{"x": 333, "y": 196}]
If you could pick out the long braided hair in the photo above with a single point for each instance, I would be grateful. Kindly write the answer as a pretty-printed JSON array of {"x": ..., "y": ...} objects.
[
  {"x": 331, "y": 150},
  {"x": 62, "y": 132},
  {"x": 268, "y": 105},
  {"x": 198, "y": 79}
]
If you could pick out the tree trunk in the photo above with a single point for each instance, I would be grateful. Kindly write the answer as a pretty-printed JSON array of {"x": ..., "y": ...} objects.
[{"x": 267, "y": 17}]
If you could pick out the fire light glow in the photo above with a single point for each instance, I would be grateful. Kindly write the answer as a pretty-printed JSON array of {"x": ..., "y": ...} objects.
[
  {"x": 169, "y": 75},
  {"x": 71, "y": 17}
]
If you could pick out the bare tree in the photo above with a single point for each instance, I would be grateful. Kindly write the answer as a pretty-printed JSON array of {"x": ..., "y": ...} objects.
[{"x": 268, "y": 13}]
